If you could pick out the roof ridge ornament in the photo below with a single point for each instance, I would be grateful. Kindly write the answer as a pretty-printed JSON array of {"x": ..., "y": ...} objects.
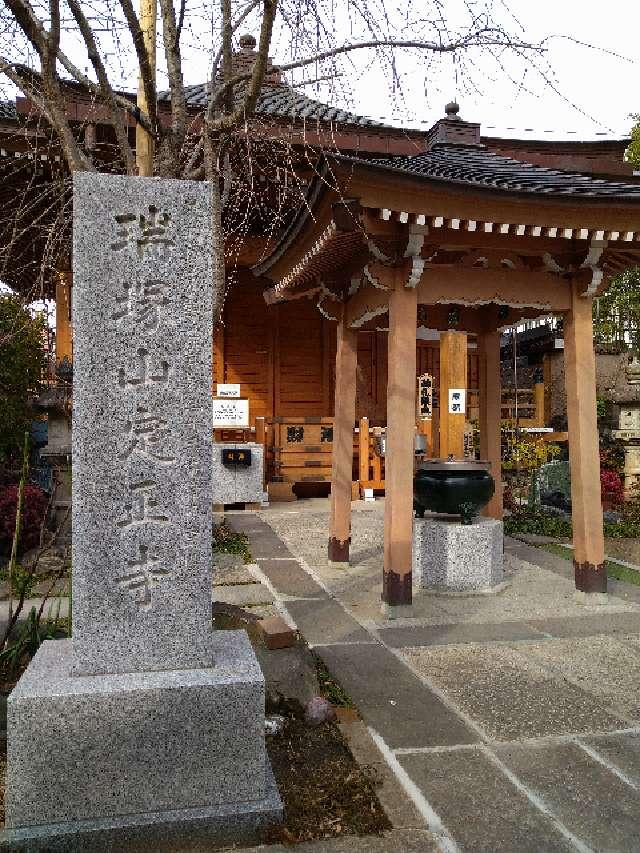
[
  {"x": 451, "y": 111},
  {"x": 453, "y": 129}
]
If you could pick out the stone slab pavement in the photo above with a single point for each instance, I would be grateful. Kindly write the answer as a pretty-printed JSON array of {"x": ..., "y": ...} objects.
[{"x": 509, "y": 722}]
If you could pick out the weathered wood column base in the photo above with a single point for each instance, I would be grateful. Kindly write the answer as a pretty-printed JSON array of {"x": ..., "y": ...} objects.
[
  {"x": 397, "y": 594},
  {"x": 338, "y": 552},
  {"x": 591, "y": 583},
  {"x": 589, "y": 577}
]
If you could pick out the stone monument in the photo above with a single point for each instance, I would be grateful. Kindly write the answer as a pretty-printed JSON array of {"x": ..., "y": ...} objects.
[{"x": 146, "y": 729}]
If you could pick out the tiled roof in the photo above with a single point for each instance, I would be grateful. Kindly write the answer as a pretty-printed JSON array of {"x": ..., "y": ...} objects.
[
  {"x": 8, "y": 110},
  {"x": 282, "y": 101},
  {"x": 475, "y": 165}
]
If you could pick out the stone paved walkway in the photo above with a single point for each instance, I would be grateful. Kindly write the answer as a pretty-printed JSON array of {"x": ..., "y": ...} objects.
[{"x": 512, "y": 722}]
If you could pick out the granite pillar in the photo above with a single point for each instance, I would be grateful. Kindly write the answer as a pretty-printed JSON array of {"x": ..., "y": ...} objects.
[{"x": 146, "y": 726}]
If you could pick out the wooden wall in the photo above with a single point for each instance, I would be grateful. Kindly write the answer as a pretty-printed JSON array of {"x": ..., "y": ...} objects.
[{"x": 283, "y": 356}]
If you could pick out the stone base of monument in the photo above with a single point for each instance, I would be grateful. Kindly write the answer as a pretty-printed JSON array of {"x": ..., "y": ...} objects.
[
  {"x": 450, "y": 557},
  {"x": 157, "y": 761}
]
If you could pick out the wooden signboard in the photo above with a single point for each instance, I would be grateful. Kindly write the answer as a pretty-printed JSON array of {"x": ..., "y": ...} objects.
[{"x": 424, "y": 397}]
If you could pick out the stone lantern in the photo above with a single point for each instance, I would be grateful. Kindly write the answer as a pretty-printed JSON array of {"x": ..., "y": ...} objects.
[{"x": 629, "y": 433}]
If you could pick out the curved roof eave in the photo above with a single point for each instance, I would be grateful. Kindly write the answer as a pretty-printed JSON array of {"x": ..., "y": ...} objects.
[{"x": 551, "y": 201}]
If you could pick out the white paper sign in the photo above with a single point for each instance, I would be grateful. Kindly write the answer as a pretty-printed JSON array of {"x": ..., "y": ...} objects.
[
  {"x": 457, "y": 401},
  {"x": 230, "y": 414},
  {"x": 228, "y": 390}
]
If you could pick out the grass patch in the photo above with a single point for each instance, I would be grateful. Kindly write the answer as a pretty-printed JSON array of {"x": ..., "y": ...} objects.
[
  {"x": 330, "y": 688},
  {"x": 226, "y": 540},
  {"x": 614, "y": 569}
]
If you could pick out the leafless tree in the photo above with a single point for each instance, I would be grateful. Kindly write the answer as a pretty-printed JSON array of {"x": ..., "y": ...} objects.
[{"x": 45, "y": 44}]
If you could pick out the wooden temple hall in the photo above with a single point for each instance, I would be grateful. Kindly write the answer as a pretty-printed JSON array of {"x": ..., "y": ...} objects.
[
  {"x": 461, "y": 243},
  {"x": 411, "y": 253}
]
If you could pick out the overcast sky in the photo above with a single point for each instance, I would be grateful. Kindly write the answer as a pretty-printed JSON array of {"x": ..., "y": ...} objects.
[
  {"x": 590, "y": 93},
  {"x": 596, "y": 91}
]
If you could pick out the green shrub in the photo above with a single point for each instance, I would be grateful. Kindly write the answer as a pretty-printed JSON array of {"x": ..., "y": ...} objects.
[
  {"x": 559, "y": 527},
  {"x": 529, "y": 521},
  {"x": 22, "y": 361}
]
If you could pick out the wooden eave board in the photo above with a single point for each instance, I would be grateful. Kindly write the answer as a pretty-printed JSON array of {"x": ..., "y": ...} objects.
[
  {"x": 377, "y": 186},
  {"x": 299, "y": 239}
]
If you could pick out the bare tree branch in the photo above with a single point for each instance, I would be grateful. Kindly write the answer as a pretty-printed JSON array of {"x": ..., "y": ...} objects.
[
  {"x": 227, "y": 61},
  {"x": 175, "y": 140},
  {"x": 144, "y": 61},
  {"x": 12, "y": 71},
  {"x": 478, "y": 38},
  {"x": 236, "y": 25},
  {"x": 256, "y": 77},
  {"x": 107, "y": 91},
  {"x": 46, "y": 45}
]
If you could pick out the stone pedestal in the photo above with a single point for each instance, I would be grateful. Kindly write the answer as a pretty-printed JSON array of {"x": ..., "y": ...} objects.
[
  {"x": 458, "y": 558},
  {"x": 155, "y": 760},
  {"x": 238, "y": 484}
]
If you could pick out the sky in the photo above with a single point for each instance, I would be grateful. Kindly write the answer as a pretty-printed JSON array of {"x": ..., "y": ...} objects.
[
  {"x": 588, "y": 92},
  {"x": 589, "y": 95}
]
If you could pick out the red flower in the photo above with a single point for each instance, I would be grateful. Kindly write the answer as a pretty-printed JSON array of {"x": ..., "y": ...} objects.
[{"x": 611, "y": 486}]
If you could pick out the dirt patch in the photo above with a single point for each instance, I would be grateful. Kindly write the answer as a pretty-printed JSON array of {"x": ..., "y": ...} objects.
[{"x": 324, "y": 791}]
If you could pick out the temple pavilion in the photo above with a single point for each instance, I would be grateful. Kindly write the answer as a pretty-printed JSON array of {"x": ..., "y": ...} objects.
[{"x": 462, "y": 241}]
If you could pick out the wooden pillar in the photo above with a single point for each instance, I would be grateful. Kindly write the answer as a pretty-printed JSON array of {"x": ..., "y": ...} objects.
[
  {"x": 401, "y": 414},
  {"x": 144, "y": 141},
  {"x": 342, "y": 456},
  {"x": 489, "y": 414},
  {"x": 453, "y": 374},
  {"x": 538, "y": 402},
  {"x": 64, "y": 336},
  {"x": 363, "y": 447},
  {"x": 580, "y": 383}
]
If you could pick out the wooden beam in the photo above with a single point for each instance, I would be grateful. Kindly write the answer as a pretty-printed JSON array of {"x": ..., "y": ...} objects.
[
  {"x": 477, "y": 286},
  {"x": 64, "y": 334},
  {"x": 586, "y": 504},
  {"x": 401, "y": 413},
  {"x": 342, "y": 456},
  {"x": 366, "y": 304},
  {"x": 489, "y": 420},
  {"x": 453, "y": 374},
  {"x": 525, "y": 244}
]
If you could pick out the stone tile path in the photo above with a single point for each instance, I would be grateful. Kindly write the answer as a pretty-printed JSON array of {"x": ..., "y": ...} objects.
[{"x": 511, "y": 722}]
